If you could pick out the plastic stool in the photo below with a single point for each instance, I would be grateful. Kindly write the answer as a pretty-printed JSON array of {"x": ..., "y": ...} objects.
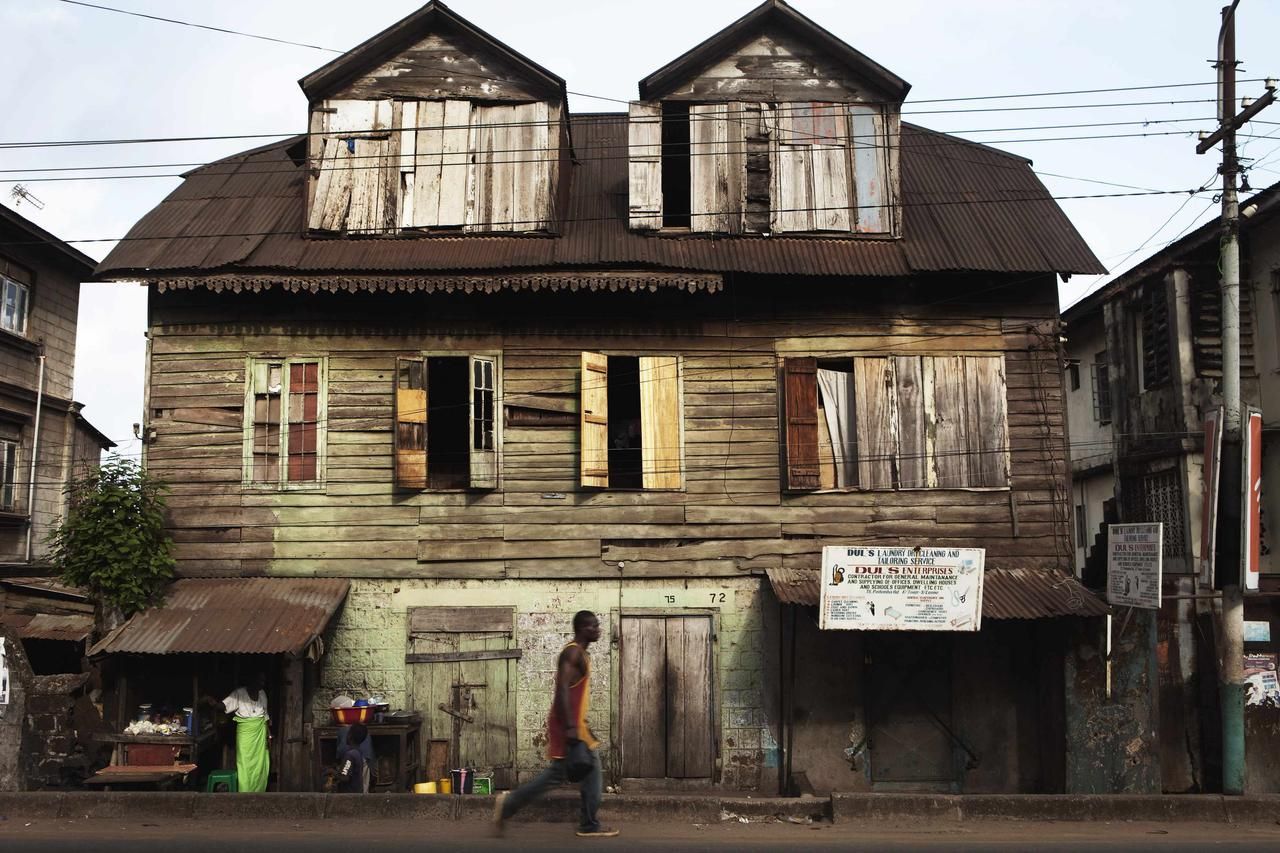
[{"x": 222, "y": 781}]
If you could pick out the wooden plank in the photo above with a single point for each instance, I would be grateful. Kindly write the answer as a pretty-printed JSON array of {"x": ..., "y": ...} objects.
[
  {"x": 454, "y": 164},
  {"x": 643, "y": 702},
  {"x": 800, "y": 383},
  {"x": 444, "y": 551},
  {"x": 445, "y": 657},
  {"x": 644, "y": 169},
  {"x": 593, "y": 433},
  {"x": 427, "y": 620},
  {"x": 791, "y": 174},
  {"x": 987, "y": 429},
  {"x": 410, "y": 439},
  {"x": 945, "y": 411},
  {"x": 432, "y": 684},
  {"x": 689, "y": 751},
  {"x": 877, "y": 428},
  {"x": 869, "y": 168},
  {"x": 660, "y": 445},
  {"x": 909, "y": 400},
  {"x": 429, "y": 141}
]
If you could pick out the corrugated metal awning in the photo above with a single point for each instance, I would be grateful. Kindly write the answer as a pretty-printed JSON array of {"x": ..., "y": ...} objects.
[
  {"x": 231, "y": 616},
  {"x": 46, "y": 626},
  {"x": 1006, "y": 593}
]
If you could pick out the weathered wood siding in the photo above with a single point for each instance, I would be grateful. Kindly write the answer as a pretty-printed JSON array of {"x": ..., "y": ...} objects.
[{"x": 732, "y": 515}]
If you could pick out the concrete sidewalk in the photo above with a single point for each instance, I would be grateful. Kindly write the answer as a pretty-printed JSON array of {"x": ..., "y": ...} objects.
[{"x": 668, "y": 808}]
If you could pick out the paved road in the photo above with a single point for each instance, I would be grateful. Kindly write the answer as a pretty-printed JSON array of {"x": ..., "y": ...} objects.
[{"x": 189, "y": 836}]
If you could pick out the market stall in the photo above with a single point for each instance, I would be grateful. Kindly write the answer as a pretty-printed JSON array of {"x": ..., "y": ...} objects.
[{"x": 168, "y": 667}]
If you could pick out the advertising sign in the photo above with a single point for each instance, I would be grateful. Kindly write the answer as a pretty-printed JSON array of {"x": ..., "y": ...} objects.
[
  {"x": 1209, "y": 508},
  {"x": 1134, "y": 564},
  {"x": 1251, "y": 476},
  {"x": 1262, "y": 685},
  {"x": 901, "y": 589}
]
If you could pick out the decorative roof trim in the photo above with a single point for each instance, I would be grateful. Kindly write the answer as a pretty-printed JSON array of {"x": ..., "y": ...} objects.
[{"x": 592, "y": 281}]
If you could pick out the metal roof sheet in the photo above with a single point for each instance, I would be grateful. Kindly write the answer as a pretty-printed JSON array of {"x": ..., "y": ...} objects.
[
  {"x": 231, "y": 616},
  {"x": 967, "y": 207},
  {"x": 46, "y": 626},
  {"x": 1006, "y": 593}
]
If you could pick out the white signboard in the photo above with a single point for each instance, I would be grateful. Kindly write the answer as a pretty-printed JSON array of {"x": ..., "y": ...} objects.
[
  {"x": 1134, "y": 564},
  {"x": 901, "y": 589}
]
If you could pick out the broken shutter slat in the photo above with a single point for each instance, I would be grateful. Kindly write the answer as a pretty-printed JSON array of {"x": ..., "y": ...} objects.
[
  {"x": 594, "y": 421},
  {"x": 945, "y": 411},
  {"x": 877, "y": 432},
  {"x": 909, "y": 398},
  {"x": 660, "y": 449},
  {"x": 411, "y": 423},
  {"x": 869, "y": 169},
  {"x": 987, "y": 429},
  {"x": 454, "y": 165},
  {"x": 644, "y": 138},
  {"x": 482, "y": 372},
  {"x": 800, "y": 392}
]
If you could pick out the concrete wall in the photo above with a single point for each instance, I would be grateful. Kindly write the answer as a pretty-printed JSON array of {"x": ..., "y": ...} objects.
[
  {"x": 368, "y": 648},
  {"x": 1263, "y": 246},
  {"x": 1091, "y": 449}
]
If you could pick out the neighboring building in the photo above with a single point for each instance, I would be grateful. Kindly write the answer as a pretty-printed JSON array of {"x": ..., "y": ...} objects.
[
  {"x": 494, "y": 363},
  {"x": 1154, "y": 333},
  {"x": 40, "y": 279}
]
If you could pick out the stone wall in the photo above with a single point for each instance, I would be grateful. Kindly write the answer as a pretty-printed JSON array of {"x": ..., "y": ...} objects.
[
  {"x": 367, "y": 650},
  {"x": 53, "y": 750}
]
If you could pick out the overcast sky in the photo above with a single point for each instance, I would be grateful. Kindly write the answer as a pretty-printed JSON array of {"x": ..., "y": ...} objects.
[{"x": 75, "y": 73}]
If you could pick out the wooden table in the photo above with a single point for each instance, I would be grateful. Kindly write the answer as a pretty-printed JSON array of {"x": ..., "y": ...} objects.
[
  {"x": 188, "y": 746},
  {"x": 140, "y": 776},
  {"x": 400, "y": 741}
]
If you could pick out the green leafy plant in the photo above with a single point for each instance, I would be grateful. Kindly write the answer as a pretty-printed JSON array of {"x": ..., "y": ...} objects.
[{"x": 111, "y": 541}]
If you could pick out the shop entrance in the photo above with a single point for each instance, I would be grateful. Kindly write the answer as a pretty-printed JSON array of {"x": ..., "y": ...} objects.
[
  {"x": 665, "y": 714},
  {"x": 909, "y": 713}
]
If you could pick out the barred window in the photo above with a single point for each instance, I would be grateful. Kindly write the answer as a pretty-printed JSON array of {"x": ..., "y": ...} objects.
[{"x": 1158, "y": 497}]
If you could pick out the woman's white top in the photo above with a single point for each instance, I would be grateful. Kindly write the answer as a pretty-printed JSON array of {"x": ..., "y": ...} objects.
[{"x": 241, "y": 705}]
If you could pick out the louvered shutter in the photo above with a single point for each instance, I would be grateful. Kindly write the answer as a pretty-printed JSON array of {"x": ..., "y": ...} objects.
[
  {"x": 800, "y": 393},
  {"x": 660, "y": 448},
  {"x": 644, "y": 137},
  {"x": 593, "y": 431},
  {"x": 411, "y": 423}
]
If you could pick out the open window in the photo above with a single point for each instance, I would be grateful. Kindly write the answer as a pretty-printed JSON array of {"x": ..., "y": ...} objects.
[
  {"x": 630, "y": 423},
  {"x": 285, "y": 422},
  {"x": 446, "y": 430},
  {"x": 895, "y": 422}
]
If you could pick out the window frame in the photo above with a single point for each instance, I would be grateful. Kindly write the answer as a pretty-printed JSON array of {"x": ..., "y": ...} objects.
[
  {"x": 583, "y": 415},
  {"x": 472, "y": 357},
  {"x": 788, "y": 447},
  {"x": 281, "y": 482},
  {"x": 6, "y": 282},
  {"x": 1100, "y": 376},
  {"x": 1073, "y": 374},
  {"x": 10, "y": 459}
]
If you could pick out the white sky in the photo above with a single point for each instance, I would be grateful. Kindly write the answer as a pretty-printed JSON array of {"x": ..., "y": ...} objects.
[{"x": 78, "y": 73}]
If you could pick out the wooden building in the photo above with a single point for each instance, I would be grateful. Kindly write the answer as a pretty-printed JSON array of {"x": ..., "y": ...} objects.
[{"x": 495, "y": 363}]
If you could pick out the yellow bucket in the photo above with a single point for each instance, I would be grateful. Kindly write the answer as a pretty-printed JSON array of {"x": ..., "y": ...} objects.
[
  {"x": 444, "y": 786},
  {"x": 424, "y": 788}
]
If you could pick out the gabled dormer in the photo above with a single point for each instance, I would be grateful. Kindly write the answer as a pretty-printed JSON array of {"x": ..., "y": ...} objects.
[
  {"x": 771, "y": 125},
  {"x": 434, "y": 125}
]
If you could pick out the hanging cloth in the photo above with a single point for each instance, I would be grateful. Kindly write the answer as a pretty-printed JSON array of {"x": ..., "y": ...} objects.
[{"x": 836, "y": 387}]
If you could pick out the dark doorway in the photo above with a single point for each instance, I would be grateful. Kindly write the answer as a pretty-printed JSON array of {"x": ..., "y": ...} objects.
[
  {"x": 625, "y": 462},
  {"x": 909, "y": 712}
]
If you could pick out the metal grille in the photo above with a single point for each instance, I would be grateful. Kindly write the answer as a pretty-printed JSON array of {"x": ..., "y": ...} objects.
[{"x": 1158, "y": 497}]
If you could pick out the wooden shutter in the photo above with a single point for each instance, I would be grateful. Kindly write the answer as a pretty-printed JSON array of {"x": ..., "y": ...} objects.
[
  {"x": 790, "y": 192},
  {"x": 800, "y": 393},
  {"x": 411, "y": 423},
  {"x": 593, "y": 433},
  {"x": 945, "y": 410},
  {"x": 717, "y": 167},
  {"x": 530, "y": 144},
  {"x": 870, "y": 171},
  {"x": 484, "y": 427},
  {"x": 913, "y": 468},
  {"x": 359, "y": 180},
  {"x": 660, "y": 448},
  {"x": 644, "y": 138},
  {"x": 830, "y": 167},
  {"x": 441, "y": 168},
  {"x": 876, "y": 427},
  {"x": 987, "y": 429}
]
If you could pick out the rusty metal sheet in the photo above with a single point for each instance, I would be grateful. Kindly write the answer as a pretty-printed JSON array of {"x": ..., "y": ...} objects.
[
  {"x": 967, "y": 207},
  {"x": 1006, "y": 593},
  {"x": 231, "y": 616},
  {"x": 46, "y": 626}
]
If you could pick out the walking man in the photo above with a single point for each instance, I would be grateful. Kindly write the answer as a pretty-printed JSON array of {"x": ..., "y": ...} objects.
[{"x": 566, "y": 725}]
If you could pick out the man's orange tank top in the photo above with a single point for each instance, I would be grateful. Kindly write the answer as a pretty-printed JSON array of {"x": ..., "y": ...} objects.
[{"x": 579, "y": 705}]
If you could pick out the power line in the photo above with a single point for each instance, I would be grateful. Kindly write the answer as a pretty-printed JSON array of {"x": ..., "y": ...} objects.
[{"x": 223, "y": 30}]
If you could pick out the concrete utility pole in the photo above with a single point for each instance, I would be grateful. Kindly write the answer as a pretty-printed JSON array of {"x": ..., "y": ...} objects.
[{"x": 1231, "y": 497}]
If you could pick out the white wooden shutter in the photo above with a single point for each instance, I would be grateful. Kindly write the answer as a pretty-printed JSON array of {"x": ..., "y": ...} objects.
[
  {"x": 594, "y": 421},
  {"x": 870, "y": 169},
  {"x": 791, "y": 200},
  {"x": 410, "y": 388},
  {"x": 644, "y": 138},
  {"x": 483, "y": 431},
  {"x": 660, "y": 445},
  {"x": 717, "y": 167}
]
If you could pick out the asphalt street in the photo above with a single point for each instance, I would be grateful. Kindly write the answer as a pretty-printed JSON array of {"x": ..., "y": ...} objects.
[{"x": 189, "y": 836}]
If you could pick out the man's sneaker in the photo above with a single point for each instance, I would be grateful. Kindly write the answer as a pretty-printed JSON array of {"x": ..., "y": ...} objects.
[
  {"x": 498, "y": 821},
  {"x": 597, "y": 832}
]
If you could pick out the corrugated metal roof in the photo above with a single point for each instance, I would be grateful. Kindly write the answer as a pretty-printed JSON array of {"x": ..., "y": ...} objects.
[
  {"x": 1006, "y": 593},
  {"x": 45, "y": 626},
  {"x": 231, "y": 616},
  {"x": 967, "y": 207}
]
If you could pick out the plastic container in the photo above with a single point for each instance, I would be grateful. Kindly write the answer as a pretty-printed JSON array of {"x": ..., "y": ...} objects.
[
  {"x": 482, "y": 785},
  {"x": 347, "y": 716},
  {"x": 188, "y": 719},
  {"x": 424, "y": 788},
  {"x": 444, "y": 786}
]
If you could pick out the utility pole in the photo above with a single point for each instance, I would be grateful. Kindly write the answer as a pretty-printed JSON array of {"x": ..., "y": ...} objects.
[{"x": 1231, "y": 497}]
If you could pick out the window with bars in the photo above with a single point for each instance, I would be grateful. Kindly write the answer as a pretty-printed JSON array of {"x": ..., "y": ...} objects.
[
  {"x": 1101, "y": 378},
  {"x": 1158, "y": 496},
  {"x": 285, "y": 422}
]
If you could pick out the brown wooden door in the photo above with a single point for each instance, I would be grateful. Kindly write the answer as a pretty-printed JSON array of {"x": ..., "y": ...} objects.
[{"x": 666, "y": 720}]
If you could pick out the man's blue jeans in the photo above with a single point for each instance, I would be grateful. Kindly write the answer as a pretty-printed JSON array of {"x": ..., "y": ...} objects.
[{"x": 554, "y": 776}]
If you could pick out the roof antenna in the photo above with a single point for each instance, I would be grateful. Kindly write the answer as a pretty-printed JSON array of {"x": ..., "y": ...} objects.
[{"x": 19, "y": 194}]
